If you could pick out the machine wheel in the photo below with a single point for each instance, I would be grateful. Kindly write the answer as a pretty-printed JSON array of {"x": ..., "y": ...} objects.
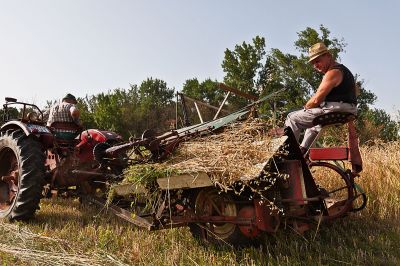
[
  {"x": 21, "y": 175},
  {"x": 210, "y": 202},
  {"x": 335, "y": 188}
]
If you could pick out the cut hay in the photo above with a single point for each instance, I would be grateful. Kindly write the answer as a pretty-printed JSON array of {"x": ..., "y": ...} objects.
[
  {"x": 26, "y": 246},
  {"x": 238, "y": 153}
]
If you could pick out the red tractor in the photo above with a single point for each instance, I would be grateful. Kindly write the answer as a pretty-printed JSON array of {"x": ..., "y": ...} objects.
[{"x": 34, "y": 163}]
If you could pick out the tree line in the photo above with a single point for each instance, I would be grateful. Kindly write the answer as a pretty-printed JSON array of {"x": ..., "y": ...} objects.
[{"x": 248, "y": 67}]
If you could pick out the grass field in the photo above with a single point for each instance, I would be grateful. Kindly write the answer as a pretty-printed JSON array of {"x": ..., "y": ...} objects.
[{"x": 65, "y": 232}]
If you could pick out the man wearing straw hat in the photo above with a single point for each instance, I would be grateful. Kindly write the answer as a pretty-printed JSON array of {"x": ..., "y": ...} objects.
[{"x": 335, "y": 93}]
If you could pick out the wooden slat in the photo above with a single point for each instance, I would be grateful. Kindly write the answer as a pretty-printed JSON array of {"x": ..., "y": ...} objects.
[
  {"x": 238, "y": 92},
  {"x": 128, "y": 189},
  {"x": 194, "y": 180}
]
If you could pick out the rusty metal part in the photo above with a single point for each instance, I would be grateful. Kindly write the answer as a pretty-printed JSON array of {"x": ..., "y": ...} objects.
[
  {"x": 267, "y": 219},
  {"x": 337, "y": 190},
  {"x": 26, "y": 107},
  {"x": 251, "y": 230},
  {"x": 122, "y": 213},
  {"x": 201, "y": 103},
  {"x": 219, "y": 209},
  {"x": 218, "y": 220},
  {"x": 9, "y": 182},
  {"x": 87, "y": 174},
  {"x": 186, "y": 121},
  {"x": 335, "y": 153},
  {"x": 152, "y": 143}
]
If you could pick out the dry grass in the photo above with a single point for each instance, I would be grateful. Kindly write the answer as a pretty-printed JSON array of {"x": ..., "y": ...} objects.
[
  {"x": 68, "y": 233},
  {"x": 381, "y": 178},
  {"x": 42, "y": 247},
  {"x": 237, "y": 153}
]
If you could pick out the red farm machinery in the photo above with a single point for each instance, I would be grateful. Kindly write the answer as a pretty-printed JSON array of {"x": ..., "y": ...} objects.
[{"x": 289, "y": 189}]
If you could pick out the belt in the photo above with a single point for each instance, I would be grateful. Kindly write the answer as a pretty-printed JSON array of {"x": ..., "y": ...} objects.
[{"x": 324, "y": 103}]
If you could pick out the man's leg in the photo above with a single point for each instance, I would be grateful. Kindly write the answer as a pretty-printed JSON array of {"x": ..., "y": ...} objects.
[
  {"x": 302, "y": 119},
  {"x": 312, "y": 133},
  {"x": 309, "y": 136}
]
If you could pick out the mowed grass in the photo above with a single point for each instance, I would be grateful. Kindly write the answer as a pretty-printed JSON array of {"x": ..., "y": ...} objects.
[{"x": 66, "y": 232}]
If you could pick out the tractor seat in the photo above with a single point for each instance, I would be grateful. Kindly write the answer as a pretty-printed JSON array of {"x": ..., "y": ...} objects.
[
  {"x": 65, "y": 132},
  {"x": 333, "y": 118}
]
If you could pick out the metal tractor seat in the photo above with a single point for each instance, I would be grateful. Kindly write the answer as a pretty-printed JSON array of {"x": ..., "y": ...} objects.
[
  {"x": 335, "y": 153},
  {"x": 333, "y": 118}
]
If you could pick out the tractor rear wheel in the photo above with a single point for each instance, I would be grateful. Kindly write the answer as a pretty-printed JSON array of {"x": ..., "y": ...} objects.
[
  {"x": 21, "y": 175},
  {"x": 211, "y": 202}
]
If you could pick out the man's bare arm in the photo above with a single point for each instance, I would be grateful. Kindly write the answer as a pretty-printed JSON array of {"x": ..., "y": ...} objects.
[
  {"x": 331, "y": 79},
  {"x": 74, "y": 113}
]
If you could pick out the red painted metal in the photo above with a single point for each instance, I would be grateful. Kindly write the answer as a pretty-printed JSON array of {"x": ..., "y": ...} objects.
[
  {"x": 296, "y": 189},
  {"x": 92, "y": 134},
  {"x": 265, "y": 219},
  {"x": 77, "y": 157},
  {"x": 9, "y": 183},
  {"x": 89, "y": 139},
  {"x": 251, "y": 230},
  {"x": 336, "y": 153}
]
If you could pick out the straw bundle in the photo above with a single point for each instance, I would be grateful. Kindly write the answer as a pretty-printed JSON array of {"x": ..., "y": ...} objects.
[{"x": 238, "y": 153}]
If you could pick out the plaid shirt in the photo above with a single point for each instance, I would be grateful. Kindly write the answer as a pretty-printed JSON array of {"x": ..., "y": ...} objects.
[{"x": 61, "y": 113}]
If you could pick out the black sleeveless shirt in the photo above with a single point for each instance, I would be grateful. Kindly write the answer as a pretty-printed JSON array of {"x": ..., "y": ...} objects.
[{"x": 346, "y": 90}]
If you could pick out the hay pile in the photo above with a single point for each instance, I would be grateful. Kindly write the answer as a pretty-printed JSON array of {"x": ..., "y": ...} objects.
[{"x": 238, "y": 153}]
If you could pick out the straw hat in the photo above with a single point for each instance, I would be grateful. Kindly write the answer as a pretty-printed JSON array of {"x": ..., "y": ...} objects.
[{"x": 317, "y": 50}]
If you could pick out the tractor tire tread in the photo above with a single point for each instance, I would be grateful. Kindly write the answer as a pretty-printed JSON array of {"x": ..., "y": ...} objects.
[{"x": 31, "y": 179}]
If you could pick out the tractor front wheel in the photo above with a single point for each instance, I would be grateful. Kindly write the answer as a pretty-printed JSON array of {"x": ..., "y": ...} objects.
[{"x": 21, "y": 175}]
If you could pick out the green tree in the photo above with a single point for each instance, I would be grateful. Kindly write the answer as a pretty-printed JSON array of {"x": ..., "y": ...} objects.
[
  {"x": 157, "y": 107},
  {"x": 154, "y": 93},
  {"x": 114, "y": 110},
  {"x": 377, "y": 124},
  {"x": 206, "y": 91},
  {"x": 282, "y": 71},
  {"x": 130, "y": 112},
  {"x": 242, "y": 66},
  {"x": 86, "y": 106}
]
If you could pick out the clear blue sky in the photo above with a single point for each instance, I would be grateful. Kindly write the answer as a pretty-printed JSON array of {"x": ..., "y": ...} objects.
[{"x": 49, "y": 48}]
